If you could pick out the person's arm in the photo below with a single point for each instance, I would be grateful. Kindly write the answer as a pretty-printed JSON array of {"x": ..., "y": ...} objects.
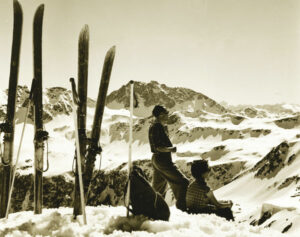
[
  {"x": 156, "y": 134},
  {"x": 215, "y": 202}
]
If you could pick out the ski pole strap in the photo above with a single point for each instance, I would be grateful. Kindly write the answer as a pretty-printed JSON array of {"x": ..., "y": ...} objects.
[
  {"x": 1, "y": 152},
  {"x": 125, "y": 193},
  {"x": 47, "y": 167},
  {"x": 155, "y": 202},
  {"x": 41, "y": 135},
  {"x": 5, "y": 128},
  {"x": 74, "y": 165},
  {"x": 100, "y": 161},
  {"x": 3, "y": 163}
]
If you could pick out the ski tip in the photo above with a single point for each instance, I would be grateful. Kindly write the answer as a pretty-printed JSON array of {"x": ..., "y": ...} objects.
[
  {"x": 113, "y": 48},
  {"x": 39, "y": 11},
  {"x": 85, "y": 28},
  {"x": 17, "y": 6},
  {"x": 111, "y": 52},
  {"x": 84, "y": 33}
]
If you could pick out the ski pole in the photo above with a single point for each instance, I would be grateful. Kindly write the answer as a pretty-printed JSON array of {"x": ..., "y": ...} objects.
[
  {"x": 127, "y": 198},
  {"x": 19, "y": 149},
  {"x": 75, "y": 104}
]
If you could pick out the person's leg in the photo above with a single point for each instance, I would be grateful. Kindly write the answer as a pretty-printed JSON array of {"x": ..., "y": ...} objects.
[
  {"x": 159, "y": 183},
  {"x": 203, "y": 210},
  {"x": 177, "y": 181},
  {"x": 179, "y": 191},
  {"x": 226, "y": 213}
]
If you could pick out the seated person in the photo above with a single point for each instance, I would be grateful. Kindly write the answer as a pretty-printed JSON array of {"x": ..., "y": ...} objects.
[{"x": 199, "y": 197}]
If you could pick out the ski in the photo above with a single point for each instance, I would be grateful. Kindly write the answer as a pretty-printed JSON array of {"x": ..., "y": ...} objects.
[
  {"x": 9, "y": 126},
  {"x": 93, "y": 148},
  {"x": 40, "y": 134},
  {"x": 83, "y": 57},
  {"x": 75, "y": 104}
]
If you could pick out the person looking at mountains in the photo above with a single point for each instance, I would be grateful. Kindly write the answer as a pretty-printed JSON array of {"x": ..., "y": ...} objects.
[
  {"x": 164, "y": 170},
  {"x": 199, "y": 197}
]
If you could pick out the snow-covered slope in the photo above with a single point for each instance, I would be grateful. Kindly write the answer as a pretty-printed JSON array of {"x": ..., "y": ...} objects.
[
  {"x": 269, "y": 191},
  {"x": 112, "y": 221}
]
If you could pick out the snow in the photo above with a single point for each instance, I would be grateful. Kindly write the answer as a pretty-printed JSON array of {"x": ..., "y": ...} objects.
[
  {"x": 292, "y": 107},
  {"x": 3, "y": 97},
  {"x": 112, "y": 221}
]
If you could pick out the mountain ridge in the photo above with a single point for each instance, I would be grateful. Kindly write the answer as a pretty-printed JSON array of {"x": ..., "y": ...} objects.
[
  {"x": 153, "y": 93},
  {"x": 57, "y": 100}
]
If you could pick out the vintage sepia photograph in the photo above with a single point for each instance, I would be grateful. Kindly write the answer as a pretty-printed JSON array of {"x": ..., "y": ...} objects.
[{"x": 150, "y": 118}]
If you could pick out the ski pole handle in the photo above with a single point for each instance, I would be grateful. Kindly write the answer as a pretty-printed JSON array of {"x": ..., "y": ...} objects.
[
  {"x": 32, "y": 88},
  {"x": 74, "y": 92}
]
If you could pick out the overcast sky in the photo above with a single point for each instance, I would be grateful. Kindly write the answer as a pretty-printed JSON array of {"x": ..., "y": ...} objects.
[{"x": 238, "y": 51}]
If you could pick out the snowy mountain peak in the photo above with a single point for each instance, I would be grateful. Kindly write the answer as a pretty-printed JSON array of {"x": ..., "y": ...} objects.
[
  {"x": 56, "y": 100},
  {"x": 173, "y": 98},
  {"x": 264, "y": 110}
]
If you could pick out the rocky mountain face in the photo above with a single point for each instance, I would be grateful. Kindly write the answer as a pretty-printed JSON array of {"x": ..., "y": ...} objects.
[
  {"x": 56, "y": 101},
  {"x": 153, "y": 93},
  {"x": 288, "y": 122}
]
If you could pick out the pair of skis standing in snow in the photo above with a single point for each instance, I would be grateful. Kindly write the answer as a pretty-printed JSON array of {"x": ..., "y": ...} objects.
[
  {"x": 86, "y": 149},
  {"x": 8, "y": 127}
]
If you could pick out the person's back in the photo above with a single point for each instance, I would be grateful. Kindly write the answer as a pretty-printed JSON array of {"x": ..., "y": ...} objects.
[
  {"x": 196, "y": 196},
  {"x": 199, "y": 197}
]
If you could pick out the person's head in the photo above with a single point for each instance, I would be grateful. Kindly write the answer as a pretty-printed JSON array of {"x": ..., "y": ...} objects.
[
  {"x": 199, "y": 169},
  {"x": 160, "y": 113}
]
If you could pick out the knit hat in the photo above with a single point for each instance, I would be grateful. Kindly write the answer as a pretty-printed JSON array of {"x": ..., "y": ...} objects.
[
  {"x": 199, "y": 167},
  {"x": 158, "y": 109}
]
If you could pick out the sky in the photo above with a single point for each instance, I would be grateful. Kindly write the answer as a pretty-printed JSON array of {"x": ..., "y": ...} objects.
[{"x": 238, "y": 51}]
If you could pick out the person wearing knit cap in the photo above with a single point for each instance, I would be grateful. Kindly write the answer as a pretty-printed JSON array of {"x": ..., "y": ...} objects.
[
  {"x": 199, "y": 197},
  {"x": 164, "y": 170}
]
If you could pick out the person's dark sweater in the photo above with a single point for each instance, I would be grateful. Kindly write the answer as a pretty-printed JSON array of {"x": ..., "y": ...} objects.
[{"x": 158, "y": 137}]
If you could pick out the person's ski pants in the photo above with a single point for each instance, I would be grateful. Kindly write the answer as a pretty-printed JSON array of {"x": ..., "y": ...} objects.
[{"x": 165, "y": 171}]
